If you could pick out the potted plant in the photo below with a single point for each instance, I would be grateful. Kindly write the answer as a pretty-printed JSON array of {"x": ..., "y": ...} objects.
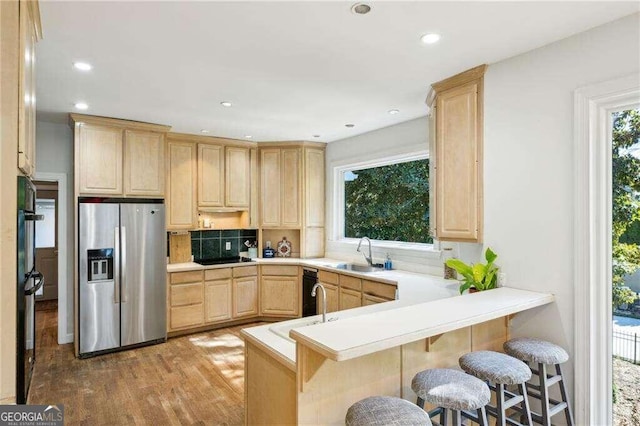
[{"x": 479, "y": 276}]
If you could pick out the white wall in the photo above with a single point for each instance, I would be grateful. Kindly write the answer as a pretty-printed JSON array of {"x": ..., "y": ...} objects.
[
  {"x": 54, "y": 154},
  {"x": 529, "y": 164}
]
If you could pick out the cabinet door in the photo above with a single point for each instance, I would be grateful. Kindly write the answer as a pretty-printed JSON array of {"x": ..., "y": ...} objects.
[
  {"x": 27, "y": 91},
  {"x": 217, "y": 300},
  {"x": 314, "y": 187},
  {"x": 181, "y": 181},
  {"x": 210, "y": 175},
  {"x": 144, "y": 163},
  {"x": 458, "y": 187},
  {"x": 270, "y": 200},
  {"x": 279, "y": 295},
  {"x": 350, "y": 299},
  {"x": 238, "y": 177},
  {"x": 100, "y": 162},
  {"x": 290, "y": 175},
  {"x": 333, "y": 299},
  {"x": 245, "y": 297},
  {"x": 368, "y": 299}
]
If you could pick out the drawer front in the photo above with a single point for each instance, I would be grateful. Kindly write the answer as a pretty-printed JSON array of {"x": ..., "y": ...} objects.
[
  {"x": 187, "y": 316},
  {"x": 387, "y": 291},
  {"x": 186, "y": 277},
  {"x": 368, "y": 299},
  {"x": 245, "y": 271},
  {"x": 185, "y": 294},
  {"x": 328, "y": 277},
  {"x": 353, "y": 283},
  {"x": 280, "y": 270},
  {"x": 217, "y": 274}
]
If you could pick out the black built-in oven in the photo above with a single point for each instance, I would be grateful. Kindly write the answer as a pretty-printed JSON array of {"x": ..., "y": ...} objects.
[{"x": 309, "y": 279}]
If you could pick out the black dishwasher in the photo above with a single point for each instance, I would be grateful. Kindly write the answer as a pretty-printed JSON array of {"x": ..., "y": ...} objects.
[{"x": 309, "y": 279}]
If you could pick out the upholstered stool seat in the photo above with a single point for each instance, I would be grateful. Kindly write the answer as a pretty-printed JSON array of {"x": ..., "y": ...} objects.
[
  {"x": 385, "y": 410},
  {"x": 541, "y": 353},
  {"x": 501, "y": 370},
  {"x": 453, "y": 390}
]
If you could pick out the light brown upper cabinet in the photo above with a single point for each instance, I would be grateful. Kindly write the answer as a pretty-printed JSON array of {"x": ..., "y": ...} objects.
[
  {"x": 30, "y": 33},
  {"x": 224, "y": 175},
  {"x": 144, "y": 163},
  {"x": 119, "y": 158},
  {"x": 281, "y": 185},
  {"x": 181, "y": 185},
  {"x": 458, "y": 156},
  {"x": 210, "y": 175},
  {"x": 238, "y": 176}
]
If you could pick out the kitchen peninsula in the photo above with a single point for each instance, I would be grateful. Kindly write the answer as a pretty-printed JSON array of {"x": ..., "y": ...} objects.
[{"x": 319, "y": 370}]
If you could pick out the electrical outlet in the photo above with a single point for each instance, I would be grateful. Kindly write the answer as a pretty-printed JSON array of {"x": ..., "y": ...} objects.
[
  {"x": 227, "y": 245},
  {"x": 502, "y": 279}
]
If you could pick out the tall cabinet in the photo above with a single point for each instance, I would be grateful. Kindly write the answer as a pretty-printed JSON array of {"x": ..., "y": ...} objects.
[
  {"x": 30, "y": 32},
  {"x": 457, "y": 132},
  {"x": 292, "y": 196}
]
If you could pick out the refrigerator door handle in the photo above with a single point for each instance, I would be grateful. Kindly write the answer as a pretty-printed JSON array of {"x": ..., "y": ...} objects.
[
  {"x": 116, "y": 267},
  {"x": 123, "y": 264}
]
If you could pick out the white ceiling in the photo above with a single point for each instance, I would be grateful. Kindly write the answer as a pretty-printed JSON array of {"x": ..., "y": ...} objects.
[{"x": 291, "y": 69}]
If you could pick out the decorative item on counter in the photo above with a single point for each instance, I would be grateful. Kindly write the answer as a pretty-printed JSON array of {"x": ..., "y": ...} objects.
[
  {"x": 387, "y": 263},
  {"x": 449, "y": 272},
  {"x": 284, "y": 248},
  {"x": 253, "y": 248},
  {"x": 479, "y": 276},
  {"x": 268, "y": 252}
]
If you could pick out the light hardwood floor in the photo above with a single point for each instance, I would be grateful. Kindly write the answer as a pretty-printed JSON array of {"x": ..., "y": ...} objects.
[{"x": 196, "y": 379}]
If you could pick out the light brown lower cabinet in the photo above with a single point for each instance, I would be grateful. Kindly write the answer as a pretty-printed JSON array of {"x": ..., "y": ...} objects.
[
  {"x": 350, "y": 299},
  {"x": 186, "y": 307},
  {"x": 368, "y": 299},
  {"x": 279, "y": 295},
  {"x": 333, "y": 298},
  {"x": 245, "y": 296},
  {"x": 217, "y": 300}
]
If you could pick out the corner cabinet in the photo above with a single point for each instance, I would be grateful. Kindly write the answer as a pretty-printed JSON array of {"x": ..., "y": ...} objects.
[
  {"x": 119, "y": 158},
  {"x": 458, "y": 114},
  {"x": 30, "y": 33}
]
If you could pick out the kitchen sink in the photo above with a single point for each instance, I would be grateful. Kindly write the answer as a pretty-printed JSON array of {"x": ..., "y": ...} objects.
[{"x": 359, "y": 268}]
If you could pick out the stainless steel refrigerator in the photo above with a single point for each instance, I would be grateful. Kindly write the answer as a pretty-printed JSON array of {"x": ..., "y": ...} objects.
[{"x": 122, "y": 275}]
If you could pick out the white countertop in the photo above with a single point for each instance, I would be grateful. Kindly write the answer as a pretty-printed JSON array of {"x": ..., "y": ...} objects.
[{"x": 364, "y": 334}]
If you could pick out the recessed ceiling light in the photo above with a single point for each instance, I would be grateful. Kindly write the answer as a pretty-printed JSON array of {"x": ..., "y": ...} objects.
[
  {"x": 248, "y": 136},
  {"x": 225, "y": 104},
  {"x": 349, "y": 125},
  {"x": 82, "y": 66},
  {"x": 316, "y": 136},
  {"x": 204, "y": 131},
  {"x": 81, "y": 105},
  {"x": 361, "y": 8},
  {"x": 394, "y": 111},
  {"x": 430, "y": 38}
]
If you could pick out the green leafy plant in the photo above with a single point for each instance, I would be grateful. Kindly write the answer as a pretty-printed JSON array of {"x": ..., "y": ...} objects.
[{"x": 479, "y": 276}]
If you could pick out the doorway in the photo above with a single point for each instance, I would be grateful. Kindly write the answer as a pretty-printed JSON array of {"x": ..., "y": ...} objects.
[{"x": 47, "y": 239}]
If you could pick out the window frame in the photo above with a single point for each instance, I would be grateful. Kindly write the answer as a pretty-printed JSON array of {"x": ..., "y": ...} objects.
[{"x": 339, "y": 201}]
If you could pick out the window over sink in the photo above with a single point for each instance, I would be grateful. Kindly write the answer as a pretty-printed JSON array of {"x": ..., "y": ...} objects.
[{"x": 385, "y": 200}]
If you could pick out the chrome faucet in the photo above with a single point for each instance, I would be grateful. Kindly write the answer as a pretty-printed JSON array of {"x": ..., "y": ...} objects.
[
  {"x": 370, "y": 258},
  {"x": 324, "y": 299}
]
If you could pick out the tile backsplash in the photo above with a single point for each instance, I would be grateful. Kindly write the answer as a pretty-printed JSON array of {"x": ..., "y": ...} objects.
[{"x": 212, "y": 244}]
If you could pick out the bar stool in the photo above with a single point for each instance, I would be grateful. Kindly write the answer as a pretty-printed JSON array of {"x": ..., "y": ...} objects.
[
  {"x": 385, "y": 410},
  {"x": 543, "y": 353},
  {"x": 501, "y": 370},
  {"x": 452, "y": 390}
]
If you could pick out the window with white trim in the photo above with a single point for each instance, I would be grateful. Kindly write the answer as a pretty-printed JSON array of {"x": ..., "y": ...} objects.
[{"x": 385, "y": 200}]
